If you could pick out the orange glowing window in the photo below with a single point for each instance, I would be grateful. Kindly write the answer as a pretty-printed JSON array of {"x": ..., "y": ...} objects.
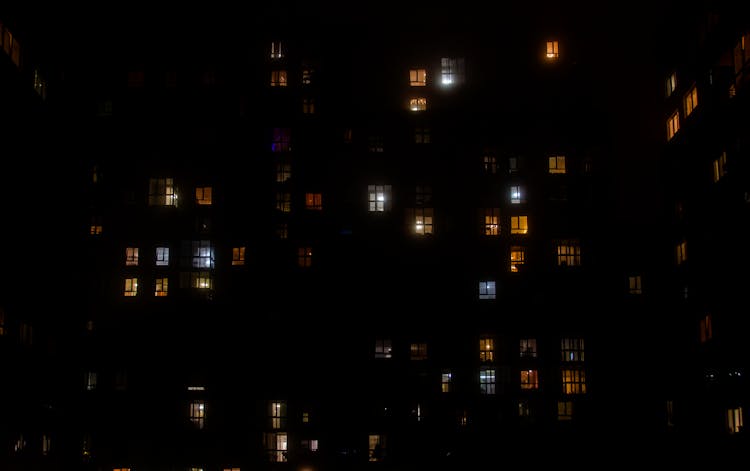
[
  {"x": 375, "y": 447},
  {"x": 203, "y": 195},
  {"x": 278, "y": 78},
  {"x": 556, "y": 164},
  {"x": 634, "y": 284},
  {"x": 705, "y": 328},
  {"x": 491, "y": 221},
  {"x": 568, "y": 253},
  {"x": 96, "y": 226},
  {"x": 308, "y": 106},
  {"x": 304, "y": 257},
  {"x": 314, "y": 201},
  {"x": 417, "y": 77},
  {"x": 529, "y": 379},
  {"x": 720, "y": 167},
  {"x": 553, "y": 50},
  {"x": 517, "y": 258},
  {"x": 418, "y": 104},
  {"x": 238, "y": 256},
  {"x": 161, "y": 287},
  {"x": 681, "y": 252},
  {"x": 690, "y": 100},
  {"x": 131, "y": 256},
  {"x": 519, "y": 224},
  {"x": 573, "y": 381},
  {"x": 422, "y": 221},
  {"x": 486, "y": 349},
  {"x": 673, "y": 124}
]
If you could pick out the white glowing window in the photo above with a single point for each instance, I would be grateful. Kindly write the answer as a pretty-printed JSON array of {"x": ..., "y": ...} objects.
[
  {"x": 671, "y": 84},
  {"x": 516, "y": 194},
  {"x": 418, "y": 77},
  {"x": 90, "y": 380},
  {"x": 162, "y": 256},
  {"x": 131, "y": 256},
  {"x": 487, "y": 380},
  {"x": 553, "y": 50},
  {"x": 418, "y": 104},
  {"x": 131, "y": 287},
  {"x": 276, "y": 445},
  {"x": 451, "y": 71},
  {"x": 203, "y": 254},
  {"x": 198, "y": 413},
  {"x": 277, "y": 414},
  {"x": 161, "y": 192},
  {"x": 487, "y": 290},
  {"x": 379, "y": 198},
  {"x": 276, "y": 51}
]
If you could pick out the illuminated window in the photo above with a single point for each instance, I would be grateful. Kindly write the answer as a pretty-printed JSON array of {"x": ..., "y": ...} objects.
[
  {"x": 40, "y": 85},
  {"x": 376, "y": 447},
  {"x": 423, "y": 195},
  {"x": 86, "y": 447},
  {"x": 311, "y": 445},
  {"x": 304, "y": 257},
  {"x": 524, "y": 409},
  {"x": 740, "y": 54},
  {"x": 307, "y": 74},
  {"x": 96, "y": 225},
  {"x": 671, "y": 84},
  {"x": 281, "y": 140},
  {"x": 161, "y": 287},
  {"x": 121, "y": 469},
  {"x": 308, "y": 105},
  {"x": 421, "y": 220},
  {"x": 673, "y": 124},
  {"x": 198, "y": 413},
  {"x": 734, "y": 420},
  {"x": 231, "y": 469},
  {"x": 732, "y": 92},
  {"x": 203, "y": 195},
  {"x": 46, "y": 444},
  {"x": 305, "y": 417},
  {"x": 277, "y": 414},
  {"x": 634, "y": 284},
  {"x": 487, "y": 290},
  {"x": 486, "y": 349},
  {"x": 276, "y": 446},
  {"x": 201, "y": 469},
  {"x": 161, "y": 192},
  {"x": 519, "y": 224},
  {"x": 418, "y": 104},
  {"x": 131, "y": 287},
  {"x": 720, "y": 167},
  {"x": 202, "y": 254},
  {"x": 556, "y": 164},
  {"x": 131, "y": 256},
  {"x": 418, "y": 351},
  {"x": 314, "y": 201},
  {"x": 278, "y": 78},
  {"x": 489, "y": 163},
  {"x": 463, "y": 418},
  {"x": 383, "y": 348},
  {"x": 572, "y": 349},
  {"x": 690, "y": 100},
  {"x": 283, "y": 172},
  {"x": 422, "y": 135},
  {"x": 491, "y": 225},
  {"x": 705, "y": 329},
  {"x": 517, "y": 258},
  {"x": 276, "y": 51},
  {"x": 418, "y": 77},
  {"x": 379, "y": 197},
  {"x": 573, "y": 381},
  {"x": 528, "y": 348},
  {"x": 282, "y": 230},
  {"x": 451, "y": 71},
  {"x": 238, "y": 256},
  {"x": 283, "y": 201},
  {"x": 529, "y": 379},
  {"x": 517, "y": 194},
  {"x": 487, "y": 380},
  {"x": 201, "y": 280},
  {"x": 90, "y": 380},
  {"x": 375, "y": 144},
  {"x": 553, "y": 50},
  {"x": 162, "y": 256},
  {"x": 564, "y": 410},
  {"x": 446, "y": 379},
  {"x": 681, "y": 252},
  {"x": 568, "y": 253},
  {"x": 512, "y": 165}
]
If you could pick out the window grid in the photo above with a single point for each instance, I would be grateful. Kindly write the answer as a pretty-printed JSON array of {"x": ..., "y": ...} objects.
[
  {"x": 418, "y": 77},
  {"x": 528, "y": 348},
  {"x": 161, "y": 287},
  {"x": 572, "y": 349},
  {"x": 529, "y": 379},
  {"x": 573, "y": 381},
  {"x": 517, "y": 258},
  {"x": 486, "y": 349},
  {"x": 556, "y": 164},
  {"x": 519, "y": 224},
  {"x": 238, "y": 256},
  {"x": 487, "y": 290},
  {"x": 491, "y": 221},
  {"x": 487, "y": 381}
]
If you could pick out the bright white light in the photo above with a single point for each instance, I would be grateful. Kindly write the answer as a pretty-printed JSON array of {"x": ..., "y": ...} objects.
[{"x": 447, "y": 81}]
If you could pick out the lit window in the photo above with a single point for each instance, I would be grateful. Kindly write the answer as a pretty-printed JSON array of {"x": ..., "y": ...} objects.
[
  {"x": 418, "y": 351},
  {"x": 671, "y": 84},
  {"x": 681, "y": 252},
  {"x": 90, "y": 380},
  {"x": 305, "y": 417},
  {"x": 690, "y": 100},
  {"x": 203, "y": 195},
  {"x": 491, "y": 221},
  {"x": 282, "y": 230},
  {"x": 375, "y": 144},
  {"x": 238, "y": 256},
  {"x": 463, "y": 418},
  {"x": 383, "y": 348},
  {"x": 131, "y": 287},
  {"x": 283, "y": 172},
  {"x": 304, "y": 257},
  {"x": 307, "y": 74},
  {"x": 202, "y": 254},
  {"x": 376, "y": 447},
  {"x": 276, "y": 446},
  {"x": 276, "y": 51},
  {"x": 161, "y": 192},
  {"x": 519, "y": 224},
  {"x": 517, "y": 258},
  {"x": 487, "y": 380},
  {"x": 121, "y": 469},
  {"x": 422, "y": 135},
  {"x": 564, "y": 410},
  {"x": 418, "y": 104},
  {"x": 732, "y": 92},
  {"x": 734, "y": 420},
  {"x": 278, "y": 78},
  {"x": 516, "y": 194},
  {"x": 673, "y": 124},
  {"x": 553, "y": 50},
  {"x": 161, "y": 287},
  {"x": 418, "y": 77},
  {"x": 311, "y": 445},
  {"x": 486, "y": 349},
  {"x": 46, "y": 444},
  {"x": 131, "y": 256},
  {"x": 489, "y": 163},
  {"x": 528, "y": 348},
  {"x": 512, "y": 165},
  {"x": 231, "y": 469},
  {"x": 572, "y": 349},
  {"x": 308, "y": 105},
  {"x": 423, "y": 195},
  {"x": 379, "y": 198},
  {"x": 281, "y": 140},
  {"x": 720, "y": 167},
  {"x": 19, "y": 444},
  {"x": 198, "y": 413},
  {"x": 421, "y": 218},
  {"x": 446, "y": 379},
  {"x": 568, "y": 253},
  {"x": 201, "y": 280},
  {"x": 573, "y": 381},
  {"x": 96, "y": 225},
  {"x": 524, "y": 409},
  {"x": 314, "y": 201},
  {"x": 634, "y": 284},
  {"x": 451, "y": 71},
  {"x": 284, "y": 201},
  {"x": 201, "y": 469},
  {"x": 487, "y": 290},
  {"x": 162, "y": 256},
  {"x": 529, "y": 379},
  {"x": 277, "y": 414},
  {"x": 40, "y": 85},
  {"x": 705, "y": 329},
  {"x": 556, "y": 164}
]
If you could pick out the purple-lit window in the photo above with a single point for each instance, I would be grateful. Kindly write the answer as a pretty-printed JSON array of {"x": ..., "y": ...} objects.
[{"x": 282, "y": 140}]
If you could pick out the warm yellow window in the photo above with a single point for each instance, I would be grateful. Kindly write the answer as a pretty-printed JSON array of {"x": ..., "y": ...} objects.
[
  {"x": 418, "y": 77},
  {"x": 375, "y": 447},
  {"x": 556, "y": 164},
  {"x": 131, "y": 287},
  {"x": 203, "y": 195},
  {"x": 564, "y": 410},
  {"x": 553, "y": 49},
  {"x": 121, "y": 469},
  {"x": 238, "y": 256},
  {"x": 673, "y": 124},
  {"x": 277, "y": 413},
  {"x": 671, "y": 84},
  {"x": 690, "y": 100},
  {"x": 634, "y": 284},
  {"x": 96, "y": 227},
  {"x": 161, "y": 287},
  {"x": 284, "y": 202},
  {"x": 568, "y": 254},
  {"x": 276, "y": 446},
  {"x": 198, "y": 413},
  {"x": 517, "y": 258},
  {"x": 418, "y": 104},
  {"x": 519, "y": 224},
  {"x": 418, "y": 351},
  {"x": 304, "y": 257},
  {"x": 446, "y": 377},
  {"x": 131, "y": 256},
  {"x": 705, "y": 328},
  {"x": 720, "y": 167},
  {"x": 201, "y": 280},
  {"x": 308, "y": 106},
  {"x": 278, "y": 78},
  {"x": 491, "y": 221},
  {"x": 681, "y": 252},
  {"x": 573, "y": 381},
  {"x": 314, "y": 201},
  {"x": 486, "y": 349},
  {"x": 422, "y": 221},
  {"x": 734, "y": 420},
  {"x": 529, "y": 379}
]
